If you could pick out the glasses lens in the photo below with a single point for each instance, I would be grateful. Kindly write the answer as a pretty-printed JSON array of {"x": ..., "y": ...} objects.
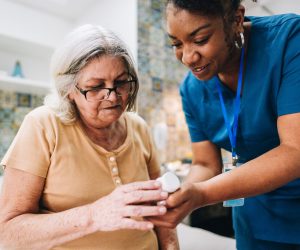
[
  {"x": 122, "y": 89},
  {"x": 97, "y": 94}
]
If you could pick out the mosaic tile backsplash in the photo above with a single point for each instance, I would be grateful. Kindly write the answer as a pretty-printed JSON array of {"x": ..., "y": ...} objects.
[
  {"x": 13, "y": 107},
  {"x": 160, "y": 74}
]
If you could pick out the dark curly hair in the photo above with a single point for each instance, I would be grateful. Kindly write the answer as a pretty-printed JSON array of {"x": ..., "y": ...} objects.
[
  {"x": 221, "y": 8},
  {"x": 206, "y": 7}
]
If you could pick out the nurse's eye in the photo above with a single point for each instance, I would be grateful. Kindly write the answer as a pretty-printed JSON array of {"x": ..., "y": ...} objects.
[
  {"x": 202, "y": 41},
  {"x": 175, "y": 45}
]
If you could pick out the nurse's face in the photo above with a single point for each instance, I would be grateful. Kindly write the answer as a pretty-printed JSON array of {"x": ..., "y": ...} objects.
[{"x": 199, "y": 42}]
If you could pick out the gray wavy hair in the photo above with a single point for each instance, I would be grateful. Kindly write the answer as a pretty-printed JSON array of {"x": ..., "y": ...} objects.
[{"x": 82, "y": 45}]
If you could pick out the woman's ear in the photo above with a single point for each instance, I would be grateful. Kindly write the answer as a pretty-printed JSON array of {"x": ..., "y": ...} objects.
[
  {"x": 71, "y": 96},
  {"x": 239, "y": 19}
]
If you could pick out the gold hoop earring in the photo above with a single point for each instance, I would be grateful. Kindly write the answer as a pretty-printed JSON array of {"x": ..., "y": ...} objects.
[{"x": 242, "y": 41}]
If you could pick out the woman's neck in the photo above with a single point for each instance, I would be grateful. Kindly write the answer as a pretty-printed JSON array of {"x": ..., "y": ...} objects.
[{"x": 110, "y": 137}]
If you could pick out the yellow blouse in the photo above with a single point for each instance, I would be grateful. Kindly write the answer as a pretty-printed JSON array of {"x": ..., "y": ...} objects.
[{"x": 78, "y": 172}]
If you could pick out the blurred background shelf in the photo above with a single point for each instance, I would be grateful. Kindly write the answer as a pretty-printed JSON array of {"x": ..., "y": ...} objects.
[
  {"x": 17, "y": 45},
  {"x": 34, "y": 59},
  {"x": 23, "y": 85}
]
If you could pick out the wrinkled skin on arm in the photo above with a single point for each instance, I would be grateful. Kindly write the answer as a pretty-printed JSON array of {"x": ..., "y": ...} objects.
[{"x": 22, "y": 227}]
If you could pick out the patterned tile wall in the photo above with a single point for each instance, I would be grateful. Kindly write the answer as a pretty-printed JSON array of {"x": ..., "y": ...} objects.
[
  {"x": 13, "y": 107},
  {"x": 160, "y": 74}
]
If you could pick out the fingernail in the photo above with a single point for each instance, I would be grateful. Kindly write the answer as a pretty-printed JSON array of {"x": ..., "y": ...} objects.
[
  {"x": 161, "y": 203},
  {"x": 162, "y": 210},
  {"x": 150, "y": 226},
  {"x": 157, "y": 184}
]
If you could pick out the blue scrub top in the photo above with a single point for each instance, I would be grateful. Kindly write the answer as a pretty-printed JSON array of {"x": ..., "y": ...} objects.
[{"x": 271, "y": 88}]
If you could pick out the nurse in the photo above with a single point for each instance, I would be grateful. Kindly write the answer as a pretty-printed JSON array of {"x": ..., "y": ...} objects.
[{"x": 242, "y": 94}]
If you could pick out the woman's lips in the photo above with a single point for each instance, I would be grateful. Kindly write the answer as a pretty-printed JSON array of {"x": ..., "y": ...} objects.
[
  {"x": 113, "y": 107},
  {"x": 199, "y": 69}
]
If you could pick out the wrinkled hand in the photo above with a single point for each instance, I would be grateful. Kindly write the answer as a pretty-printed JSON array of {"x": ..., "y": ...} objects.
[
  {"x": 179, "y": 205},
  {"x": 113, "y": 211}
]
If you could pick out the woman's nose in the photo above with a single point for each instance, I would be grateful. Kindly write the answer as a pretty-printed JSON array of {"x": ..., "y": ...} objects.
[
  {"x": 189, "y": 56},
  {"x": 112, "y": 95}
]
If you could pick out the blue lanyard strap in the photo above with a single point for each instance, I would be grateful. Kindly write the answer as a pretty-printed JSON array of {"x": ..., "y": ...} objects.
[{"x": 233, "y": 131}]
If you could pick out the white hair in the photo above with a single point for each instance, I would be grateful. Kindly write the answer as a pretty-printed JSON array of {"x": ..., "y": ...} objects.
[{"x": 80, "y": 47}]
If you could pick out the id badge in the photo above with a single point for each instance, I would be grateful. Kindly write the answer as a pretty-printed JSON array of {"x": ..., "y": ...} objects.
[{"x": 235, "y": 202}]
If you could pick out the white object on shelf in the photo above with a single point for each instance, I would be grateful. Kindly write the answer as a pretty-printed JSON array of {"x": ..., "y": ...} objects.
[
  {"x": 23, "y": 85},
  {"x": 170, "y": 182}
]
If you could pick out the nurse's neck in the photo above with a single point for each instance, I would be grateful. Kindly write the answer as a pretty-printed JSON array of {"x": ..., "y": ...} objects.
[
  {"x": 229, "y": 79},
  {"x": 230, "y": 75}
]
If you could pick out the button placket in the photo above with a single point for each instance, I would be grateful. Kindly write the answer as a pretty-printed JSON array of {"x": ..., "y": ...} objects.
[
  {"x": 112, "y": 158},
  {"x": 118, "y": 181},
  {"x": 114, "y": 170}
]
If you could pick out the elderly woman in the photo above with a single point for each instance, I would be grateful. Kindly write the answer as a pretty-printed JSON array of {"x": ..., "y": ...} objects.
[
  {"x": 69, "y": 171},
  {"x": 241, "y": 94}
]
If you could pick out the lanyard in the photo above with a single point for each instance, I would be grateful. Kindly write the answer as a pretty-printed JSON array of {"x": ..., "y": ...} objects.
[{"x": 232, "y": 131}]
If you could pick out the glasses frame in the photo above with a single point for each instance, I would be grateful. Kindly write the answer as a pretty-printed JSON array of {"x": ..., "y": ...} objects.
[{"x": 110, "y": 90}]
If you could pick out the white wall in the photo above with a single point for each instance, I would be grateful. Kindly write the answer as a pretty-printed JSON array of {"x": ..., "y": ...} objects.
[
  {"x": 30, "y": 35},
  {"x": 28, "y": 24},
  {"x": 120, "y": 16},
  {"x": 271, "y": 7}
]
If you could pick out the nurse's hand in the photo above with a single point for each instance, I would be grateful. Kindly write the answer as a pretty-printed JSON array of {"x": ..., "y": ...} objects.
[
  {"x": 116, "y": 210},
  {"x": 179, "y": 205}
]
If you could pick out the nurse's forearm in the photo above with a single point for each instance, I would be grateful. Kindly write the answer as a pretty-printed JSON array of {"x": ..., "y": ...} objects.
[
  {"x": 199, "y": 173},
  {"x": 263, "y": 174}
]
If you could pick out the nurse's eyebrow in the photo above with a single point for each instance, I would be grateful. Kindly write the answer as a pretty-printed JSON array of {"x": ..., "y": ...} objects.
[
  {"x": 205, "y": 26},
  {"x": 194, "y": 32}
]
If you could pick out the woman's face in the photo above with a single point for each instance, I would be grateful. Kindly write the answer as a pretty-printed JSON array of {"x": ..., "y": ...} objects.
[
  {"x": 107, "y": 72},
  {"x": 199, "y": 42}
]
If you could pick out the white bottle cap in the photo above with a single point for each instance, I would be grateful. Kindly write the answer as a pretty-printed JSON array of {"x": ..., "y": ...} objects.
[{"x": 169, "y": 181}]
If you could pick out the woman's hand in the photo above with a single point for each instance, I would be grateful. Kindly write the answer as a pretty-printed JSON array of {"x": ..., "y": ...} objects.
[
  {"x": 179, "y": 205},
  {"x": 114, "y": 211}
]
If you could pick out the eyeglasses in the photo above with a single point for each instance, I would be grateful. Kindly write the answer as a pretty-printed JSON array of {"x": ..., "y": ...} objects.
[{"x": 121, "y": 88}]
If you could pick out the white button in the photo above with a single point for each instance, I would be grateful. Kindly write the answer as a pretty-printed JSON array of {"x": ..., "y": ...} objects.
[
  {"x": 114, "y": 169},
  {"x": 112, "y": 158}
]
